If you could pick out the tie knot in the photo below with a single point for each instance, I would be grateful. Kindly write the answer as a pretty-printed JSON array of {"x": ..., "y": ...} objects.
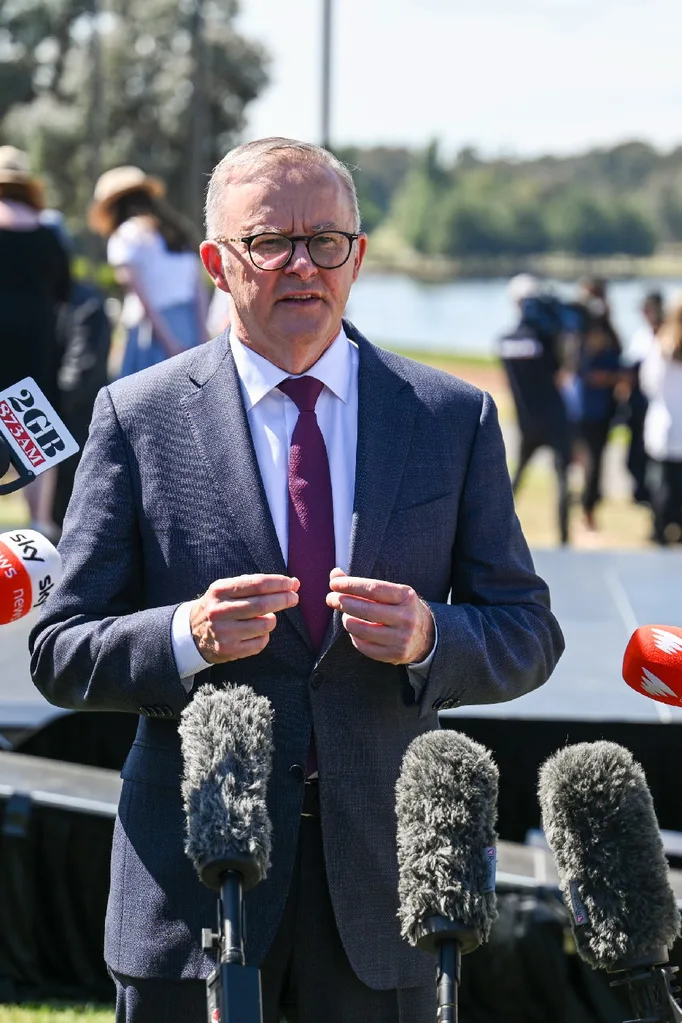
[{"x": 303, "y": 391}]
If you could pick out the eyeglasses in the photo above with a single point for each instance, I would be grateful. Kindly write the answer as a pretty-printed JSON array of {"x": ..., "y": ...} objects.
[{"x": 270, "y": 251}]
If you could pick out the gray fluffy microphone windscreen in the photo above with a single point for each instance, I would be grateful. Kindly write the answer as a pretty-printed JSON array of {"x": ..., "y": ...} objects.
[
  {"x": 227, "y": 749},
  {"x": 599, "y": 820},
  {"x": 446, "y": 807}
]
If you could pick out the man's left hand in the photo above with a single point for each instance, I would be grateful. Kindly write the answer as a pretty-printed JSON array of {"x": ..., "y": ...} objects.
[{"x": 386, "y": 621}]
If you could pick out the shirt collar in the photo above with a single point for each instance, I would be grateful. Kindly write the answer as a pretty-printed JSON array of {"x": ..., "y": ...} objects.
[{"x": 258, "y": 376}]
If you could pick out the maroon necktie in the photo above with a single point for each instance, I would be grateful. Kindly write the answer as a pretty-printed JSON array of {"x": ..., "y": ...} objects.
[{"x": 312, "y": 552}]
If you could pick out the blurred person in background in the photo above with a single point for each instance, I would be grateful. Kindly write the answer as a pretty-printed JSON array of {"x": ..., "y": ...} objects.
[
  {"x": 219, "y": 315},
  {"x": 641, "y": 343},
  {"x": 599, "y": 372},
  {"x": 34, "y": 279},
  {"x": 661, "y": 381},
  {"x": 155, "y": 255},
  {"x": 531, "y": 355},
  {"x": 83, "y": 340}
]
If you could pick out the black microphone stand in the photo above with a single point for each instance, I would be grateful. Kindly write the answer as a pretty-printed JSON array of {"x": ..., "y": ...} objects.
[
  {"x": 651, "y": 988},
  {"x": 449, "y": 941},
  {"x": 233, "y": 991},
  {"x": 24, "y": 475}
]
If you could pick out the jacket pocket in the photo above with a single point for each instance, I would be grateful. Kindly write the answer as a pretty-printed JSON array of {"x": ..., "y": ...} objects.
[{"x": 152, "y": 765}]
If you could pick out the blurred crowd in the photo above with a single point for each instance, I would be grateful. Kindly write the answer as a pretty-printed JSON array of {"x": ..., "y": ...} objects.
[
  {"x": 573, "y": 379},
  {"x": 571, "y": 376},
  {"x": 58, "y": 328}
]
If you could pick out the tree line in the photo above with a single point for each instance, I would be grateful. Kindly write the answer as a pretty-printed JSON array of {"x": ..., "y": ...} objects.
[
  {"x": 624, "y": 200},
  {"x": 89, "y": 84},
  {"x": 164, "y": 84}
]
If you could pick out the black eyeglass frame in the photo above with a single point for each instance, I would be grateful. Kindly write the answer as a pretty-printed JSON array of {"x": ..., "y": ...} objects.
[{"x": 292, "y": 239}]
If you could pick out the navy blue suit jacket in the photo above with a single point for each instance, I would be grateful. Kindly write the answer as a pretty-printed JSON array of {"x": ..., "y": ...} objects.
[{"x": 168, "y": 498}]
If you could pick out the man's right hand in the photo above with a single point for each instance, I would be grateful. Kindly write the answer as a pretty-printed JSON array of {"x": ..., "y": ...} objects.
[{"x": 235, "y": 617}]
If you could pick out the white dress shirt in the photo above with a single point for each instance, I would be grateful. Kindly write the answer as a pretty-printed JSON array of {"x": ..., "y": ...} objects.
[
  {"x": 661, "y": 381},
  {"x": 272, "y": 416}
]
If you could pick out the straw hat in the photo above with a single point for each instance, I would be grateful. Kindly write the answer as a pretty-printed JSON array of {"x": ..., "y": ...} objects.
[
  {"x": 111, "y": 186},
  {"x": 15, "y": 169}
]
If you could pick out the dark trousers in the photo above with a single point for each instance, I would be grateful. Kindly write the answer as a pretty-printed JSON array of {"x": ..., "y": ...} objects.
[
  {"x": 666, "y": 496},
  {"x": 306, "y": 976},
  {"x": 594, "y": 434},
  {"x": 560, "y": 443},
  {"x": 636, "y": 457}
]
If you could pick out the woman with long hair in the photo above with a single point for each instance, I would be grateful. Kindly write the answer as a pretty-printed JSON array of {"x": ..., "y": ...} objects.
[
  {"x": 661, "y": 381},
  {"x": 34, "y": 281},
  {"x": 154, "y": 252}
]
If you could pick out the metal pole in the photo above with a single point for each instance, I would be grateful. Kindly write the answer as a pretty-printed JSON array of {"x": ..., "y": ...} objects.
[
  {"x": 197, "y": 111},
  {"x": 96, "y": 112},
  {"x": 326, "y": 71}
]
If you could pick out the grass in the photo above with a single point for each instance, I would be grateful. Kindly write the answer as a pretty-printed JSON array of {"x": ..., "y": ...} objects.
[
  {"x": 622, "y": 524},
  {"x": 56, "y": 1012}
]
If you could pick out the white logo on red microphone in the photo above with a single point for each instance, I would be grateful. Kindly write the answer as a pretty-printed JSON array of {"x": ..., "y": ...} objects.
[
  {"x": 666, "y": 642},
  {"x": 655, "y": 686}
]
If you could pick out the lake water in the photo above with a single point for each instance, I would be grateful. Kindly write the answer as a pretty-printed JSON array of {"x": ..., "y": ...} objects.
[{"x": 466, "y": 316}]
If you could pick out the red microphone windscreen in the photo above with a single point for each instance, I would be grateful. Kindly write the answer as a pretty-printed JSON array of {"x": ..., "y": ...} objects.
[{"x": 652, "y": 664}]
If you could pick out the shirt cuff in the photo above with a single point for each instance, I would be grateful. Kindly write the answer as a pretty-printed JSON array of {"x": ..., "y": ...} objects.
[
  {"x": 417, "y": 673},
  {"x": 188, "y": 660}
]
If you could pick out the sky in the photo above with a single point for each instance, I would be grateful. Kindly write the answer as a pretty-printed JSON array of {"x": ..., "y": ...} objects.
[{"x": 512, "y": 77}]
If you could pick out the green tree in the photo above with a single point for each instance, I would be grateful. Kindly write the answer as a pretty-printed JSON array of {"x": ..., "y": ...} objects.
[
  {"x": 416, "y": 204},
  {"x": 582, "y": 224},
  {"x": 150, "y": 56},
  {"x": 377, "y": 174}
]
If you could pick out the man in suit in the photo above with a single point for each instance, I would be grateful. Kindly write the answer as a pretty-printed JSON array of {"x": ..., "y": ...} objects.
[{"x": 291, "y": 508}]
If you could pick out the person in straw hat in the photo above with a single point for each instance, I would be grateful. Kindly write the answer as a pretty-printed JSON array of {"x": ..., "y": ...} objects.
[
  {"x": 34, "y": 281},
  {"x": 155, "y": 256}
]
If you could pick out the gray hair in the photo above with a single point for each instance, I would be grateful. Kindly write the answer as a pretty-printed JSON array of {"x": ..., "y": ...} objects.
[{"x": 277, "y": 150}]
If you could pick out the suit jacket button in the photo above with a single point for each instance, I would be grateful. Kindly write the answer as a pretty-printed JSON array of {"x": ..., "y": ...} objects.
[
  {"x": 316, "y": 680},
  {"x": 437, "y": 704},
  {"x": 297, "y": 772}
]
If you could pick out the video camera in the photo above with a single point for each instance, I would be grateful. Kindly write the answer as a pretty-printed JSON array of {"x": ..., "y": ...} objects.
[{"x": 552, "y": 317}]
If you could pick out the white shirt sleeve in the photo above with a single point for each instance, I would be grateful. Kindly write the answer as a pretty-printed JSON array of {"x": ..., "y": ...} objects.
[
  {"x": 651, "y": 373},
  {"x": 127, "y": 244},
  {"x": 417, "y": 673},
  {"x": 188, "y": 660}
]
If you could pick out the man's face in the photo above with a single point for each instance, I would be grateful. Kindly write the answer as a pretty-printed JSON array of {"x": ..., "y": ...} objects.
[{"x": 290, "y": 316}]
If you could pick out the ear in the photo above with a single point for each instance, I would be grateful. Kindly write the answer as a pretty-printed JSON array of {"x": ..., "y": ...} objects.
[
  {"x": 360, "y": 250},
  {"x": 212, "y": 259}
]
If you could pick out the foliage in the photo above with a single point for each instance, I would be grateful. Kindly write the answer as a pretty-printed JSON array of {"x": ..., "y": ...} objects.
[
  {"x": 377, "y": 173},
  {"x": 625, "y": 200},
  {"x": 89, "y": 84},
  {"x": 56, "y": 1013}
]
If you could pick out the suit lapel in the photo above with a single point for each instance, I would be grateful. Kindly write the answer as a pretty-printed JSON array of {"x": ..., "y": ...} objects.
[
  {"x": 221, "y": 432},
  {"x": 387, "y": 408},
  {"x": 386, "y": 412}
]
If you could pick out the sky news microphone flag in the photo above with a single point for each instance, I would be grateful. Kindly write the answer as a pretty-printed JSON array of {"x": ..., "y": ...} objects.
[
  {"x": 30, "y": 568},
  {"x": 652, "y": 664}
]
